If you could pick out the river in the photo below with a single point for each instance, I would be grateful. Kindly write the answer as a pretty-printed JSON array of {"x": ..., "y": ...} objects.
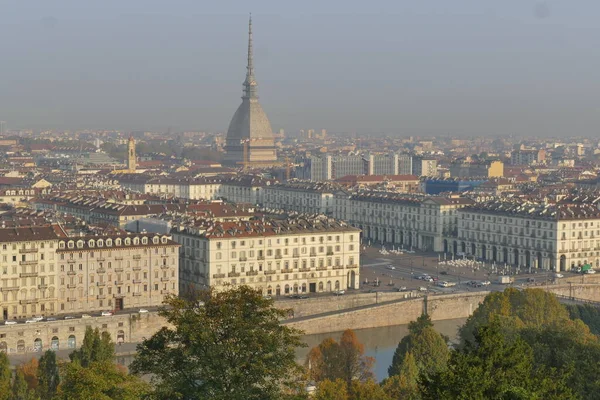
[{"x": 381, "y": 343}]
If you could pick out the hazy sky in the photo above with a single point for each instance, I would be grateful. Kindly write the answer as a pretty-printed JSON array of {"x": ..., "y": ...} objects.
[{"x": 521, "y": 67}]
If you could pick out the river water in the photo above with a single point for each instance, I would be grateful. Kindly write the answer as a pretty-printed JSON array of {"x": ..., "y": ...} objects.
[{"x": 381, "y": 343}]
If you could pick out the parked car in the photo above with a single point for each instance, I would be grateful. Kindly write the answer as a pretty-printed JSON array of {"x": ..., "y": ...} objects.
[
  {"x": 486, "y": 283},
  {"x": 531, "y": 280},
  {"x": 401, "y": 289},
  {"x": 339, "y": 292},
  {"x": 443, "y": 272},
  {"x": 69, "y": 317},
  {"x": 302, "y": 296},
  {"x": 10, "y": 322},
  {"x": 422, "y": 289},
  {"x": 557, "y": 275},
  {"x": 391, "y": 267},
  {"x": 38, "y": 319},
  {"x": 143, "y": 311},
  {"x": 31, "y": 321},
  {"x": 106, "y": 313},
  {"x": 49, "y": 319},
  {"x": 86, "y": 316},
  {"x": 590, "y": 271},
  {"x": 443, "y": 284}
]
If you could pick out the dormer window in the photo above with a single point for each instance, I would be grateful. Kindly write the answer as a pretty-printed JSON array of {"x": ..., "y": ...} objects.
[
  {"x": 61, "y": 245},
  {"x": 127, "y": 242},
  {"x": 163, "y": 239},
  {"x": 136, "y": 241},
  {"x": 92, "y": 243},
  {"x": 70, "y": 244},
  {"x": 80, "y": 244},
  {"x": 108, "y": 242},
  {"x": 117, "y": 242},
  {"x": 100, "y": 242},
  {"x": 155, "y": 240},
  {"x": 144, "y": 240}
]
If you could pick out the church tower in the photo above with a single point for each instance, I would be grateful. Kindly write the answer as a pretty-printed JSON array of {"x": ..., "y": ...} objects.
[
  {"x": 250, "y": 138},
  {"x": 131, "y": 160}
]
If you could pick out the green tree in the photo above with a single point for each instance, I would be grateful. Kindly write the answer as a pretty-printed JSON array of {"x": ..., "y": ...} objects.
[
  {"x": 5, "y": 377},
  {"x": 344, "y": 360},
  {"x": 405, "y": 385},
  {"x": 428, "y": 348},
  {"x": 515, "y": 309},
  {"x": 100, "y": 381},
  {"x": 20, "y": 388},
  {"x": 331, "y": 390},
  {"x": 96, "y": 347},
  {"x": 223, "y": 345},
  {"x": 48, "y": 375},
  {"x": 493, "y": 367}
]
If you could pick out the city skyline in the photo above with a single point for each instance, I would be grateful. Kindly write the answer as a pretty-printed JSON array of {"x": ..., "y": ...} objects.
[{"x": 405, "y": 69}]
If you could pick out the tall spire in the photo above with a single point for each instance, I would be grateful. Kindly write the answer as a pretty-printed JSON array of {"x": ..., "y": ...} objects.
[{"x": 250, "y": 82}]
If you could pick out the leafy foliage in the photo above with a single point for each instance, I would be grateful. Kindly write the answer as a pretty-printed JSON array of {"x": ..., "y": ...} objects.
[
  {"x": 100, "y": 381},
  {"x": 331, "y": 390},
  {"x": 492, "y": 367},
  {"x": 20, "y": 389},
  {"x": 345, "y": 360},
  {"x": 5, "y": 375},
  {"x": 48, "y": 375},
  {"x": 222, "y": 345},
  {"x": 428, "y": 349},
  {"x": 590, "y": 315},
  {"x": 96, "y": 347}
]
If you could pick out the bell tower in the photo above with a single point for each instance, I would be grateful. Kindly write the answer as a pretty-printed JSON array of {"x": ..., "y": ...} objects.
[{"x": 131, "y": 160}]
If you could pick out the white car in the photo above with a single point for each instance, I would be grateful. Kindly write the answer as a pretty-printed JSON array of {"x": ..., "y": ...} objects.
[
  {"x": 590, "y": 271},
  {"x": 107, "y": 313},
  {"x": 143, "y": 311},
  {"x": 422, "y": 289},
  {"x": 86, "y": 316},
  {"x": 486, "y": 283},
  {"x": 559, "y": 275},
  {"x": 31, "y": 321},
  {"x": 38, "y": 319},
  {"x": 10, "y": 322},
  {"x": 443, "y": 284},
  {"x": 339, "y": 292},
  {"x": 391, "y": 267}
]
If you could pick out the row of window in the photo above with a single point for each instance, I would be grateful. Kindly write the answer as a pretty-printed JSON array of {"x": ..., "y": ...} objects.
[{"x": 109, "y": 242}]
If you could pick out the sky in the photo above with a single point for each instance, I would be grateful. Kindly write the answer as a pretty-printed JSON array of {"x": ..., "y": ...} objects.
[{"x": 400, "y": 67}]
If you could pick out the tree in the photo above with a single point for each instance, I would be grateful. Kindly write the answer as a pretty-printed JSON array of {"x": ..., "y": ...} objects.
[
  {"x": 428, "y": 348},
  {"x": 20, "y": 389},
  {"x": 515, "y": 309},
  {"x": 48, "y": 375},
  {"x": 344, "y": 360},
  {"x": 5, "y": 377},
  {"x": 367, "y": 390},
  {"x": 96, "y": 347},
  {"x": 331, "y": 390},
  {"x": 100, "y": 381},
  {"x": 493, "y": 367},
  {"x": 30, "y": 373},
  {"x": 223, "y": 345},
  {"x": 405, "y": 384}
]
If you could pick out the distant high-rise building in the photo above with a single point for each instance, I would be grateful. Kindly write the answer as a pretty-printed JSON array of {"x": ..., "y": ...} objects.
[
  {"x": 405, "y": 166},
  {"x": 131, "y": 160},
  {"x": 323, "y": 134},
  {"x": 383, "y": 164},
  {"x": 424, "y": 166},
  {"x": 250, "y": 137},
  {"x": 311, "y": 133}
]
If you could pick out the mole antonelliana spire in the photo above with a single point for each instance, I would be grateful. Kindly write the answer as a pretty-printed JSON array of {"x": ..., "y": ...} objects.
[{"x": 250, "y": 126}]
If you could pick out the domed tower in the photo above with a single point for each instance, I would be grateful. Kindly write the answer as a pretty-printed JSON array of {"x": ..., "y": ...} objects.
[{"x": 250, "y": 137}]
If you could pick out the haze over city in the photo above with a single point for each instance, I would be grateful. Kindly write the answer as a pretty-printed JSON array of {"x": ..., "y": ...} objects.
[{"x": 526, "y": 68}]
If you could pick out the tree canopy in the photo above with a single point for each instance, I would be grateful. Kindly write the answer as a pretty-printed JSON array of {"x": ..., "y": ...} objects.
[{"x": 221, "y": 345}]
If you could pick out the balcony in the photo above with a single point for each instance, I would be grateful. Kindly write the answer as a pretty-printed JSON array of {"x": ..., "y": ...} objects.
[
  {"x": 101, "y": 296},
  {"x": 233, "y": 274},
  {"x": 137, "y": 281},
  {"x": 30, "y": 262},
  {"x": 166, "y": 278},
  {"x": 119, "y": 269},
  {"x": 321, "y": 268},
  {"x": 28, "y": 274},
  {"x": 137, "y": 268},
  {"x": 338, "y": 267},
  {"x": 165, "y": 266},
  {"x": 101, "y": 270},
  {"x": 29, "y": 301},
  {"x": 270, "y": 272},
  {"x": 137, "y": 294},
  {"x": 286, "y": 270},
  {"x": 71, "y": 286},
  {"x": 330, "y": 253},
  {"x": 251, "y": 273},
  {"x": 119, "y": 258},
  {"x": 118, "y": 283},
  {"x": 101, "y": 259},
  {"x": 260, "y": 257},
  {"x": 137, "y": 257},
  {"x": 25, "y": 251},
  {"x": 165, "y": 292},
  {"x": 243, "y": 259},
  {"x": 164, "y": 255},
  {"x": 100, "y": 283},
  {"x": 118, "y": 295},
  {"x": 313, "y": 254},
  {"x": 352, "y": 266},
  {"x": 71, "y": 299},
  {"x": 71, "y": 261},
  {"x": 304, "y": 269},
  {"x": 278, "y": 256},
  {"x": 295, "y": 255},
  {"x": 218, "y": 276}
]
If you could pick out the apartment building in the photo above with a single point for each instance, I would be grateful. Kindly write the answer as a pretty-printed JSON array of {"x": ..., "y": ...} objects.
[
  {"x": 554, "y": 237},
  {"x": 279, "y": 257},
  {"x": 300, "y": 196},
  {"x": 47, "y": 272},
  {"x": 423, "y": 166},
  {"x": 417, "y": 222}
]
